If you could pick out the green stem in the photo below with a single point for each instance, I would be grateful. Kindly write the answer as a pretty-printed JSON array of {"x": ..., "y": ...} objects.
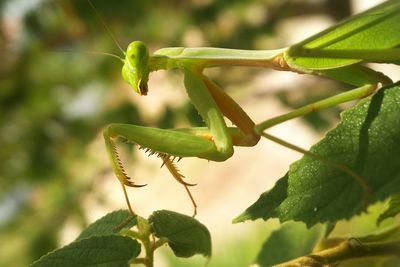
[
  {"x": 143, "y": 234},
  {"x": 148, "y": 248},
  {"x": 346, "y": 250},
  {"x": 131, "y": 233},
  {"x": 144, "y": 230},
  {"x": 144, "y": 261}
]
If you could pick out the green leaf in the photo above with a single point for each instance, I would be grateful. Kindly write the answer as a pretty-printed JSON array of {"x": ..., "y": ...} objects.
[
  {"x": 392, "y": 210},
  {"x": 186, "y": 236},
  {"x": 292, "y": 240},
  {"x": 266, "y": 204},
  {"x": 104, "y": 251},
  {"x": 367, "y": 140},
  {"x": 109, "y": 224}
]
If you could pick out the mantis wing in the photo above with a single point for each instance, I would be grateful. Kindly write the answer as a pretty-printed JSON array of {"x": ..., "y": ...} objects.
[{"x": 369, "y": 36}]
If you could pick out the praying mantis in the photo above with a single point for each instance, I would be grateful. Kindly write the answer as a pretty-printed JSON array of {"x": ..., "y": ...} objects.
[{"x": 337, "y": 53}]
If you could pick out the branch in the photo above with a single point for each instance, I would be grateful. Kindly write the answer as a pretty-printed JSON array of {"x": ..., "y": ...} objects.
[{"x": 349, "y": 249}]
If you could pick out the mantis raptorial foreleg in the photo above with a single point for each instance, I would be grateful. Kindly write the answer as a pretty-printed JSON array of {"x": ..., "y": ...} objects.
[
  {"x": 214, "y": 142},
  {"x": 157, "y": 141}
]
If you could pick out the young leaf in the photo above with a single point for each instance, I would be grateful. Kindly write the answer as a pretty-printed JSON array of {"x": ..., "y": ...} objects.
[
  {"x": 392, "y": 210},
  {"x": 109, "y": 224},
  {"x": 186, "y": 236},
  {"x": 367, "y": 140},
  {"x": 107, "y": 251},
  {"x": 292, "y": 240}
]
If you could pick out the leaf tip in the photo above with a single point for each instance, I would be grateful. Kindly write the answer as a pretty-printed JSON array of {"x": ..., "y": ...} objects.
[{"x": 241, "y": 218}]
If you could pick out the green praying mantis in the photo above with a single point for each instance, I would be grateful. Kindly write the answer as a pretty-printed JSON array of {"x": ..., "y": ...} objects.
[{"x": 337, "y": 53}]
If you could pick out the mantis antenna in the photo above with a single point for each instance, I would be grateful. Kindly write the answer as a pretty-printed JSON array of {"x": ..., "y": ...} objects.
[
  {"x": 91, "y": 53},
  {"x": 108, "y": 31},
  {"x": 106, "y": 27}
]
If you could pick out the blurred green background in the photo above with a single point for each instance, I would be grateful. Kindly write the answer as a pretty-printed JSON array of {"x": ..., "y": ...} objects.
[{"x": 55, "y": 96}]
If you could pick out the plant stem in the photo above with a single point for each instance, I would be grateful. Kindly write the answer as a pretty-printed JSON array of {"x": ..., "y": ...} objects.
[
  {"x": 143, "y": 261},
  {"x": 346, "y": 250},
  {"x": 144, "y": 230},
  {"x": 144, "y": 235}
]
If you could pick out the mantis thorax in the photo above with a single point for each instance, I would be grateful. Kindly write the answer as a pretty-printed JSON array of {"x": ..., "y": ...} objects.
[{"x": 136, "y": 70}]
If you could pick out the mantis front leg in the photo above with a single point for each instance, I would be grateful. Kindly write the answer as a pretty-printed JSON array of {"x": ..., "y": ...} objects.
[
  {"x": 214, "y": 142},
  {"x": 166, "y": 144}
]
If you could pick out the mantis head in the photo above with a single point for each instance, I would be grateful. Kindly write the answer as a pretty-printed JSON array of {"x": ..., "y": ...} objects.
[{"x": 135, "y": 70}]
